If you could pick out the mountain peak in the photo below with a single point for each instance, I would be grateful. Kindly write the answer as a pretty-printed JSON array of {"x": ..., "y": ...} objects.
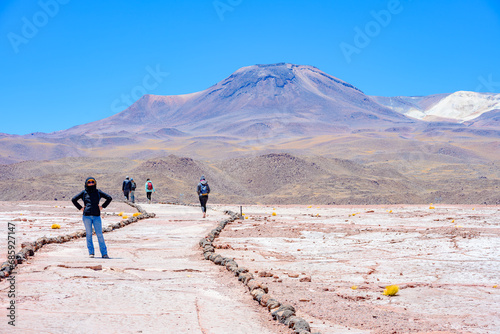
[{"x": 282, "y": 97}]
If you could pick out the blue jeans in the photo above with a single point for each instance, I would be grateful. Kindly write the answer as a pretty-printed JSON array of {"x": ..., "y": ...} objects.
[{"x": 88, "y": 221}]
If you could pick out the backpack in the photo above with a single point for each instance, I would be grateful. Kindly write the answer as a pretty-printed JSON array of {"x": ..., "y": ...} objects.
[
  {"x": 204, "y": 188},
  {"x": 150, "y": 185}
]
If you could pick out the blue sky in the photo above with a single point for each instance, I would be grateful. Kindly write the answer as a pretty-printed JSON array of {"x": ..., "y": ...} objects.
[{"x": 68, "y": 62}]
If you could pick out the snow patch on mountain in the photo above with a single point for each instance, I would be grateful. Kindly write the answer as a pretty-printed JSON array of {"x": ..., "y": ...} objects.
[{"x": 460, "y": 106}]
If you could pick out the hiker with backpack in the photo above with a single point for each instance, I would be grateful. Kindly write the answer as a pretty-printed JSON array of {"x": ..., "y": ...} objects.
[
  {"x": 91, "y": 197},
  {"x": 126, "y": 187},
  {"x": 149, "y": 189},
  {"x": 133, "y": 186},
  {"x": 203, "y": 190}
]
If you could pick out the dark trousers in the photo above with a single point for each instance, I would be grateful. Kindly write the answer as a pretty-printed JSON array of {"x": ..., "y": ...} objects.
[
  {"x": 148, "y": 194},
  {"x": 203, "y": 202},
  {"x": 126, "y": 193}
]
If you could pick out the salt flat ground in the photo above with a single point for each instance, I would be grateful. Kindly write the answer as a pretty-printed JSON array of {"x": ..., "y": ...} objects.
[
  {"x": 330, "y": 262},
  {"x": 446, "y": 262}
]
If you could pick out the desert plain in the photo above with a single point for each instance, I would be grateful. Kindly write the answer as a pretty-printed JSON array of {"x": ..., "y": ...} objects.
[{"x": 330, "y": 262}]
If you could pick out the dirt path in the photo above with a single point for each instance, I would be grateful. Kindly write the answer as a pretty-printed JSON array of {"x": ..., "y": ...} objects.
[{"x": 155, "y": 282}]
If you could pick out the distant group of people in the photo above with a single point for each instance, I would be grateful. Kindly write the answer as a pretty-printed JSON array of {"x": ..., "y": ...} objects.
[
  {"x": 91, "y": 209},
  {"x": 129, "y": 186}
]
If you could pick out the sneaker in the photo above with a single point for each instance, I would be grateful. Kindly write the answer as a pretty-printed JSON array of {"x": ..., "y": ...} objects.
[
  {"x": 105, "y": 256},
  {"x": 91, "y": 255}
]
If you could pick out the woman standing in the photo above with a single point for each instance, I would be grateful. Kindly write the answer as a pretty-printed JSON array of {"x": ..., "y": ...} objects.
[
  {"x": 149, "y": 189},
  {"x": 203, "y": 190},
  {"x": 91, "y": 197}
]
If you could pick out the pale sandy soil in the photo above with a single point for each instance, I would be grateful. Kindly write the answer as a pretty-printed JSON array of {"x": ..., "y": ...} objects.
[
  {"x": 156, "y": 281},
  {"x": 445, "y": 261}
]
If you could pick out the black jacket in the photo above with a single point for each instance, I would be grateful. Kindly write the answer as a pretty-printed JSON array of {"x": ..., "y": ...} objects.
[
  {"x": 127, "y": 185},
  {"x": 91, "y": 202}
]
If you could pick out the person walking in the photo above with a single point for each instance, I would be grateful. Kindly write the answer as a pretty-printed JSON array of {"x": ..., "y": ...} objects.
[
  {"x": 126, "y": 187},
  {"x": 133, "y": 186},
  {"x": 203, "y": 189},
  {"x": 91, "y": 197},
  {"x": 149, "y": 190}
]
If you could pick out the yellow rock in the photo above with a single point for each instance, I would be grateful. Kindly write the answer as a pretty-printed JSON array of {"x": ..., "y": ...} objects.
[
  {"x": 310, "y": 206},
  {"x": 354, "y": 287},
  {"x": 246, "y": 217},
  {"x": 136, "y": 214},
  {"x": 390, "y": 211},
  {"x": 56, "y": 226},
  {"x": 124, "y": 217},
  {"x": 274, "y": 213},
  {"x": 391, "y": 290},
  {"x": 120, "y": 214},
  {"x": 495, "y": 286}
]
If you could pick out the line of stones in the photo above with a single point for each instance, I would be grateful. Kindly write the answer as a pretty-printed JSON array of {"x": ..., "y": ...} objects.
[
  {"x": 29, "y": 248},
  {"x": 284, "y": 313}
]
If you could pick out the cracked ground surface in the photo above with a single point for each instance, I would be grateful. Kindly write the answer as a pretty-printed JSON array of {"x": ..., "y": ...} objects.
[
  {"x": 333, "y": 263},
  {"x": 330, "y": 262},
  {"x": 156, "y": 281}
]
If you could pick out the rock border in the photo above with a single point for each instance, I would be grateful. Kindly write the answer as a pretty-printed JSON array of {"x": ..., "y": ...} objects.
[
  {"x": 284, "y": 313},
  {"x": 28, "y": 249}
]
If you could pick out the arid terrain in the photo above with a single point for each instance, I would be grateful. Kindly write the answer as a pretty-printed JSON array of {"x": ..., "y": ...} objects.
[
  {"x": 331, "y": 263},
  {"x": 273, "y": 134},
  {"x": 343, "y": 195},
  {"x": 275, "y": 178}
]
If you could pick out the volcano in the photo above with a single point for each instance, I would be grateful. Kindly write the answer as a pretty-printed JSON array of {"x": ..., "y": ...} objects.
[
  {"x": 283, "y": 99},
  {"x": 271, "y": 108}
]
